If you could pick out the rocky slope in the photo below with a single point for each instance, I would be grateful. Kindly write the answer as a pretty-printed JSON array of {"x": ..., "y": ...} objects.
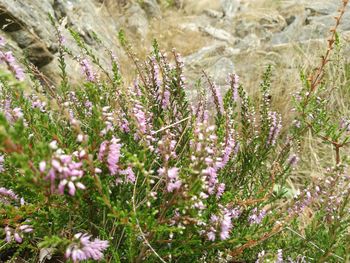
[{"x": 219, "y": 36}]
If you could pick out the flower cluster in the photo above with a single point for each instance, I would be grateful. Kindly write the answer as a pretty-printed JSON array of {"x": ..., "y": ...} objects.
[
  {"x": 83, "y": 248},
  {"x": 8, "y": 193},
  {"x": 275, "y": 127},
  {"x": 172, "y": 177},
  {"x": 87, "y": 70},
  {"x": 10, "y": 61},
  {"x": 111, "y": 151},
  {"x": 12, "y": 114},
  {"x": 256, "y": 217},
  {"x": 17, "y": 233},
  {"x": 66, "y": 171},
  {"x": 222, "y": 223}
]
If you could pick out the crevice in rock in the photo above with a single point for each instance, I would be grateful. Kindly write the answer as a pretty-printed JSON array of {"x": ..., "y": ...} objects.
[{"x": 8, "y": 22}]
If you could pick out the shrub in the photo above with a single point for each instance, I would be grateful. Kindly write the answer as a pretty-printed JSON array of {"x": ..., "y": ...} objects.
[{"x": 104, "y": 171}]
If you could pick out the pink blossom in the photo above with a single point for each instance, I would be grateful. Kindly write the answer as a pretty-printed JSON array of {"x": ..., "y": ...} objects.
[
  {"x": 10, "y": 60},
  {"x": 130, "y": 176},
  {"x": 87, "y": 70},
  {"x": 275, "y": 127},
  {"x": 172, "y": 175},
  {"x": 67, "y": 171},
  {"x": 82, "y": 248},
  {"x": 113, "y": 156},
  {"x": 8, "y": 193}
]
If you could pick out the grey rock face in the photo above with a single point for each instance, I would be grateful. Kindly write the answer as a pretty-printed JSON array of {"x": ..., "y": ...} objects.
[
  {"x": 217, "y": 33},
  {"x": 221, "y": 69},
  {"x": 23, "y": 23},
  {"x": 136, "y": 20},
  {"x": 151, "y": 8},
  {"x": 26, "y": 23},
  {"x": 230, "y": 7}
]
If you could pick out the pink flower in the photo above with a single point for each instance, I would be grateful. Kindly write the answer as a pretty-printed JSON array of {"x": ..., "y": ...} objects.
[
  {"x": 82, "y": 248},
  {"x": 255, "y": 217},
  {"x": 113, "y": 156},
  {"x": 102, "y": 151},
  {"x": 172, "y": 175},
  {"x": 87, "y": 70},
  {"x": 8, "y": 193},
  {"x": 42, "y": 166},
  {"x": 130, "y": 176},
  {"x": 67, "y": 171},
  {"x": 16, "y": 235},
  {"x": 10, "y": 60},
  {"x": 275, "y": 127}
]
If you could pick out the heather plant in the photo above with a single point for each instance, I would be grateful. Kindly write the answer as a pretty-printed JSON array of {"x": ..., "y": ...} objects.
[{"x": 137, "y": 173}]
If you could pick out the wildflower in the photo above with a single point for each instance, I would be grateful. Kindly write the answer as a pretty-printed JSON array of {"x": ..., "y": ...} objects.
[
  {"x": 113, "y": 156},
  {"x": 275, "y": 127},
  {"x": 8, "y": 193},
  {"x": 82, "y": 248},
  {"x": 140, "y": 118},
  {"x": 130, "y": 176},
  {"x": 67, "y": 171},
  {"x": 293, "y": 160},
  {"x": 226, "y": 226},
  {"x": 87, "y": 70},
  {"x": 53, "y": 145},
  {"x": 255, "y": 217},
  {"x": 111, "y": 149},
  {"x": 10, "y": 60},
  {"x": 229, "y": 148},
  {"x": 218, "y": 99},
  {"x": 155, "y": 73},
  {"x": 211, "y": 235},
  {"x": 172, "y": 175},
  {"x": 223, "y": 223},
  {"x": 166, "y": 98},
  {"x": 279, "y": 258},
  {"x": 234, "y": 84},
  {"x": 16, "y": 235},
  {"x": 220, "y": 190},
  {"x": 344, "y": 124}
]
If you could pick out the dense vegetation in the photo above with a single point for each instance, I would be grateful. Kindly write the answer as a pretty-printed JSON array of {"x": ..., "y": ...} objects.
[{"x": 104, "y": 171}]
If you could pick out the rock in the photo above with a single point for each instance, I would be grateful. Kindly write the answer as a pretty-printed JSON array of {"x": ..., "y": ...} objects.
[
  {"x": 208, "y": 52},
  {"x": 213, "y": 13},
  {"x": 30, "y": 35},
  {"x": 251, "y": 41},
  {"x": 151, "y": 8},
  {"x": 37, "y": 52},
  {"x": 136, "y": 20},
  {"x": 322, "y": 7},
  {"x": 290, "y": 32},
  {"x": 230, "y": 7},
  {"x": 217, "y": 33},
  {"x": 220, "y": 70},
  {"x": 189, "y": 26},
  {"x": 26, "y": 23}
]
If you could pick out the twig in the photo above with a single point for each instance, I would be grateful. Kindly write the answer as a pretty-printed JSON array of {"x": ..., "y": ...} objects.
[
  {"x": 172, "y": 125},
  {"x": 312, "y": 243}
]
